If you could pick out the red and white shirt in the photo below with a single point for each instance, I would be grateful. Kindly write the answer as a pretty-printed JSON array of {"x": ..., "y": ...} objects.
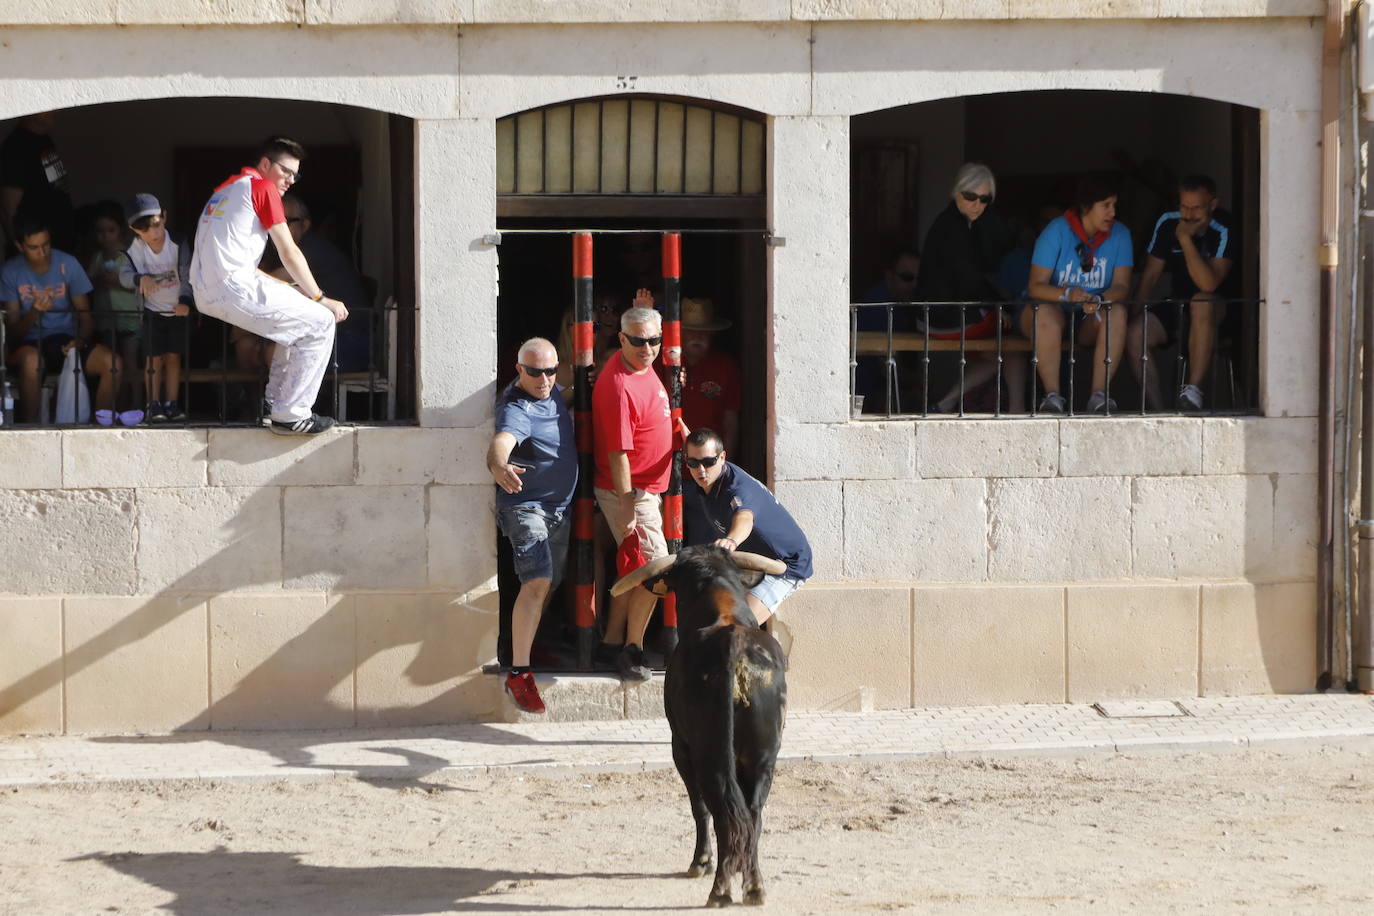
[{"x": 232, "y": 234}]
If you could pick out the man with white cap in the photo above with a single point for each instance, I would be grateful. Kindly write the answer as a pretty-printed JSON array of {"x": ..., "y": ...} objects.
[{"x": 234, "y": 227}]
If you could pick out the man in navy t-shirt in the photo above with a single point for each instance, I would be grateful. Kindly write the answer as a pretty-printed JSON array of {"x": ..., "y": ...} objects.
[
  {"x": 533, "y": 459},
  {"x": 1197, "y": 245},
  {"x": 732, "y": 510}
]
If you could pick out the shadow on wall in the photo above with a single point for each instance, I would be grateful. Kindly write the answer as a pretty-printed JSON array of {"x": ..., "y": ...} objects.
[{"x": 258, "y": 616}]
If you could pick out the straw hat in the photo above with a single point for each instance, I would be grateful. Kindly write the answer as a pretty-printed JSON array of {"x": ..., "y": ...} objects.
[{"x": 700, "y": 315}]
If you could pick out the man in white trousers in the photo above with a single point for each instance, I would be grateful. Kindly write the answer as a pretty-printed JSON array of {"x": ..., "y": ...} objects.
[{"x": 241, "y": 215}]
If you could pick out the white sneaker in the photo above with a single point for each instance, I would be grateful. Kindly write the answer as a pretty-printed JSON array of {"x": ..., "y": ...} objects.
[{"x": 1190, "y": 398}]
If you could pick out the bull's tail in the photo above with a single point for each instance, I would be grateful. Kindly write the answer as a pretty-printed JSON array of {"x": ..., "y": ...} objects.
[{"x": 738, "y": 822}]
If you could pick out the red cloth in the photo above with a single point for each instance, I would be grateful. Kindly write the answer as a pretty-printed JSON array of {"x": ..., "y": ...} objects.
[
  {"x": 1076, "y": 224},
  {"x": 630, "y": 413},
  {"x": 712, "y": 389},
  {"x": 629, "y": 557}
]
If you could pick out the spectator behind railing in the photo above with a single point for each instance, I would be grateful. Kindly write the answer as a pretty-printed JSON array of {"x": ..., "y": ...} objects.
[
  {"x": 1196, "y": 243},
  {"x": 47, "y": 303},
  {"x": 159, "y": 271},
  {"x": 963, "y": 248},
  {"x": 1083, "y": 260},
  {"x": 898, "y": 284},
  {"x": 33, "y": 180},
  {"x": 118, "y": 314}
]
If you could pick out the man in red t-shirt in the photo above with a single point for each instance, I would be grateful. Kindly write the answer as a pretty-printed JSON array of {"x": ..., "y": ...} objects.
[
  {"x": 710, "y": 399},
  {"x": 633, "y": 433}
]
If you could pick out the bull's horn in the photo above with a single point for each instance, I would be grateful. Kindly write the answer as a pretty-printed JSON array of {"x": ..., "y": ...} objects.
[
  {"x": 759, "y": 563},
  {"x": 645, "y": 572}
]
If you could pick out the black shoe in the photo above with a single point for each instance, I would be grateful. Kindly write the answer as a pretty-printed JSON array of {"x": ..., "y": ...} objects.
[
  {"x": 630, "y": 664},
  {"x": 172, "y": 412},
  {"x": 307, "y": 426},
  {"x": 605, "y": 654},
  {"x": 157, "y": 412}
]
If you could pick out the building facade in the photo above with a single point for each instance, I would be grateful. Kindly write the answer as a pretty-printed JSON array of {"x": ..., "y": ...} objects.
[{"x": 223, "y": 578}]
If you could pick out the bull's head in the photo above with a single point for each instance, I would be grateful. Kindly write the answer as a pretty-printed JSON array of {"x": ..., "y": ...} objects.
[{"x": 652, "y": 575}]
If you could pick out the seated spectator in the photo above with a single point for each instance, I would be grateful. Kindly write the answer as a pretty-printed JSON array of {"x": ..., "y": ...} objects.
[
  {"x": 33, "y": 180},
  {"x": 898, "y": 284},
  {"x": 711, "y": 395},
  {"x": 1196, "y": 244},
  {"x": 1083, "y": 260},
  {"x": 47, "y": 303},
  {"x": 118, "y": 315},
  {"x": 159, "y": 274},
  {"x": 336, "y": 275},
  {"x": 964, "y": 246}
]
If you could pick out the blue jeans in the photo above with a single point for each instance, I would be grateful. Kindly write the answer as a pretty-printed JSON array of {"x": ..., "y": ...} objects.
[
  {"x": 772, "y": 589},
  {"x": 538, "y": 539}
]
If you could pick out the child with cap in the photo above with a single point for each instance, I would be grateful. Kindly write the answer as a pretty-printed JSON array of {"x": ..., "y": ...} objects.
[{"x": 159, "y": 273}]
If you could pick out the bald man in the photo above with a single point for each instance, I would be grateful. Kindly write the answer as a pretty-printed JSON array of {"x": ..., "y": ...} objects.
[{"x": 533, "y": 460}]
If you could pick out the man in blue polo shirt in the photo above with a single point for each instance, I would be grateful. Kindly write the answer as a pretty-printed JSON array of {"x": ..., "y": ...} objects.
[
  {"x": 533, "y": 459},
  {"x": 732, "y": 510}
]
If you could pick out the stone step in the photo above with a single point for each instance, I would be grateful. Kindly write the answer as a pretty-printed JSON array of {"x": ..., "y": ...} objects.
[{"x": 583, "y": 698}]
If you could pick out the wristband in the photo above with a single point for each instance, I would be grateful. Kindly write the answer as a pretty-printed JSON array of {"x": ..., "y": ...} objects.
[
  {"x": 317, "y": 298},
  {"x": 731, "y": 540},
  {"x": 1064, "y": 296}
]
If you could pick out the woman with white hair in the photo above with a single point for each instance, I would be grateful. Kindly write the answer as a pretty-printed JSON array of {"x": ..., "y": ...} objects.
[{"x": 963, "y": 248}]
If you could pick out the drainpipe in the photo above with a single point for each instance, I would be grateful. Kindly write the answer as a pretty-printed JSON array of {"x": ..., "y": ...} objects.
[
  {"x": 1363, "y": 648},
  {"x": 1328, "y": 260}
]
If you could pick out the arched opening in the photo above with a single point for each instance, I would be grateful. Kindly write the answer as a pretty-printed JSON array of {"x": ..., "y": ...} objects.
[
  {"x": 1038, "y": 144},
  {"x": 356, "y": 183},
  {"x": 627, "y": 168}
]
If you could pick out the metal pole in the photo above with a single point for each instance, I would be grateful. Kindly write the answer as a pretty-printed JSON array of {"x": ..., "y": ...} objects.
[
  {"x": 672, "y": 359},
  {"x": 584, "y": 519},
  {"x": 1364, "y": 612}
]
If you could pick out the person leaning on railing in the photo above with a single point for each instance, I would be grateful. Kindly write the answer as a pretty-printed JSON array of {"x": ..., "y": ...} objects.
[
  {"x": 1081, "y": 263},
  {"x": 1196, "y": 243}
]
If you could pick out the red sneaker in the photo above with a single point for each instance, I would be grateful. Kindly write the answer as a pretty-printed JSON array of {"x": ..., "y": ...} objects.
[{"x": 523, "y": 691}]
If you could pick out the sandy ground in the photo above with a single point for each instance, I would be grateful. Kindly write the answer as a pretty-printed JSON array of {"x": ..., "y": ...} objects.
[{"x": 1242, "y": 832}]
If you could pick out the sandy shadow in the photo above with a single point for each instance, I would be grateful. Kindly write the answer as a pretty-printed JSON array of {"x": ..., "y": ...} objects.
[{"x": 222, "y": 881}]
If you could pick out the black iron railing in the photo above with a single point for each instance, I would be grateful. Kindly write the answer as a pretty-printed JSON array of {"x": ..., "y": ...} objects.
[{"x": 920, "y": 359}]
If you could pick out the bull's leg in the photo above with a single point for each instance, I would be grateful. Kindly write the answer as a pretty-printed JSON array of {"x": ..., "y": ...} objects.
[
  {"x": 720, "y": 890},
  {"x": 701, "y": 854}
]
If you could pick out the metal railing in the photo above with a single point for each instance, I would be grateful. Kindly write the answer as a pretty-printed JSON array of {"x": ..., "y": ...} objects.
[
  {"x": 367, "y": 362},
  {"x": 937, "y": 342}
]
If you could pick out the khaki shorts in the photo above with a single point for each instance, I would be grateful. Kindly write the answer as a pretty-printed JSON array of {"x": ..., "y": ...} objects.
[{"x": 648, "y": 516}]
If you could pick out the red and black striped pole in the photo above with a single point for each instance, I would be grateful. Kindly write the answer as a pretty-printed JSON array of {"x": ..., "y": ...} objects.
[
  {"x": 584, "y": 519},
  {"x": 672, "y": 359}
]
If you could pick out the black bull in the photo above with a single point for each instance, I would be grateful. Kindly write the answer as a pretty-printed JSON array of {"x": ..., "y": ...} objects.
[{"x": 725, "y": 696}]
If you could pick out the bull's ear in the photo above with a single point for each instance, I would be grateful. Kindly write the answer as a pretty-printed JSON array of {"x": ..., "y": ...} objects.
[{"x": 750, "y": 578}]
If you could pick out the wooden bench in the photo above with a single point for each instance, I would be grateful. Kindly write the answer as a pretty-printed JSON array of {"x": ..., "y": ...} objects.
[{"x": 874, "y": 343}]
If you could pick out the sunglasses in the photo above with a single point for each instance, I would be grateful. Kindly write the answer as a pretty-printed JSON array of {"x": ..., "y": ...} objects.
[
  {"x": 710, "y": 462},
  {"x": 969, "y": 196},
  {"x": 1085, "y": 257},
  {"x": 906, "y": 276},
  {"x": 152, "y": 223},
  {"x": 643, "y": 341},
  {"x": 532, "y": 372}
]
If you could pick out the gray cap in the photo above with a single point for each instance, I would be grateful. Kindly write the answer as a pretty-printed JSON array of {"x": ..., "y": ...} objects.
[{"x": 141, "y": 205}]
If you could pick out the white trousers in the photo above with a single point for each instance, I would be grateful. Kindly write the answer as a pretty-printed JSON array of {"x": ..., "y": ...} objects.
[{"x": 302, "y": 330}]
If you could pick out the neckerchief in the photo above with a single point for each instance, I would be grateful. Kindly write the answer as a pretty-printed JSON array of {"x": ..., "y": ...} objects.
[{"x": 1076, "y": 224}]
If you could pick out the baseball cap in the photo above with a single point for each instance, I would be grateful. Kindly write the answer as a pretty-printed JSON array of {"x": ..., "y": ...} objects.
[{"x": 141, "y": 205}]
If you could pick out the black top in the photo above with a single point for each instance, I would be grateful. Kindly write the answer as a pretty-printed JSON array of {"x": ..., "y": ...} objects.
[
  {"x": 30, "y": 162},
  {"x": 1220, "y": 240},
  {"x": 959, "y": 257}
]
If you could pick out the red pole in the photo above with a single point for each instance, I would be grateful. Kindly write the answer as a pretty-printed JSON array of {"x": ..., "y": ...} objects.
[
  {"x": 584, "y": 519},
  {"x": 672, "y": 358}
]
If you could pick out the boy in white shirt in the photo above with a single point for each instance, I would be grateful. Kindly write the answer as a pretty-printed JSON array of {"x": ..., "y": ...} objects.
[{"x": 159, "y": 273}]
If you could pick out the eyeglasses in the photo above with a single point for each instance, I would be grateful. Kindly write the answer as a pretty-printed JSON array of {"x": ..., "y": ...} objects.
[
  {"x": 1085, "y": 257},
  {"x": 292, "y": 175},
  {"x": 969, "y": 196},
  {"x": 906, "y": 276},
  {"x": 708, "y": 462},
  {"x": 643, "y": 341},
  {"x": 535, "y": 372}
]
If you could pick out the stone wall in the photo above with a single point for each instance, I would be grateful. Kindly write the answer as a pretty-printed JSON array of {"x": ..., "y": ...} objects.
[{"x": 159, "y": 579}]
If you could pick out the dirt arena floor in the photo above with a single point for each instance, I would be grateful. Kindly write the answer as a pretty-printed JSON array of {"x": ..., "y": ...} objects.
[{"x": 1290, "y": 832}]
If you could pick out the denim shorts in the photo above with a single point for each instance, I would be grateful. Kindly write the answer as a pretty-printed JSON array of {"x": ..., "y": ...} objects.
[
  {"x": 539, "y": 541},
  {"x": 773, "y": 589}
]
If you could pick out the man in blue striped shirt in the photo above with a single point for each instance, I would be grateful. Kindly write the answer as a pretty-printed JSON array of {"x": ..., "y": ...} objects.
[{"x": 1197, "y": 245}]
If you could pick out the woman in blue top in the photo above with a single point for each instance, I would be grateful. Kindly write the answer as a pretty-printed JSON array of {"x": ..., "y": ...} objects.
[{"x": 1083, "y": 259}]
